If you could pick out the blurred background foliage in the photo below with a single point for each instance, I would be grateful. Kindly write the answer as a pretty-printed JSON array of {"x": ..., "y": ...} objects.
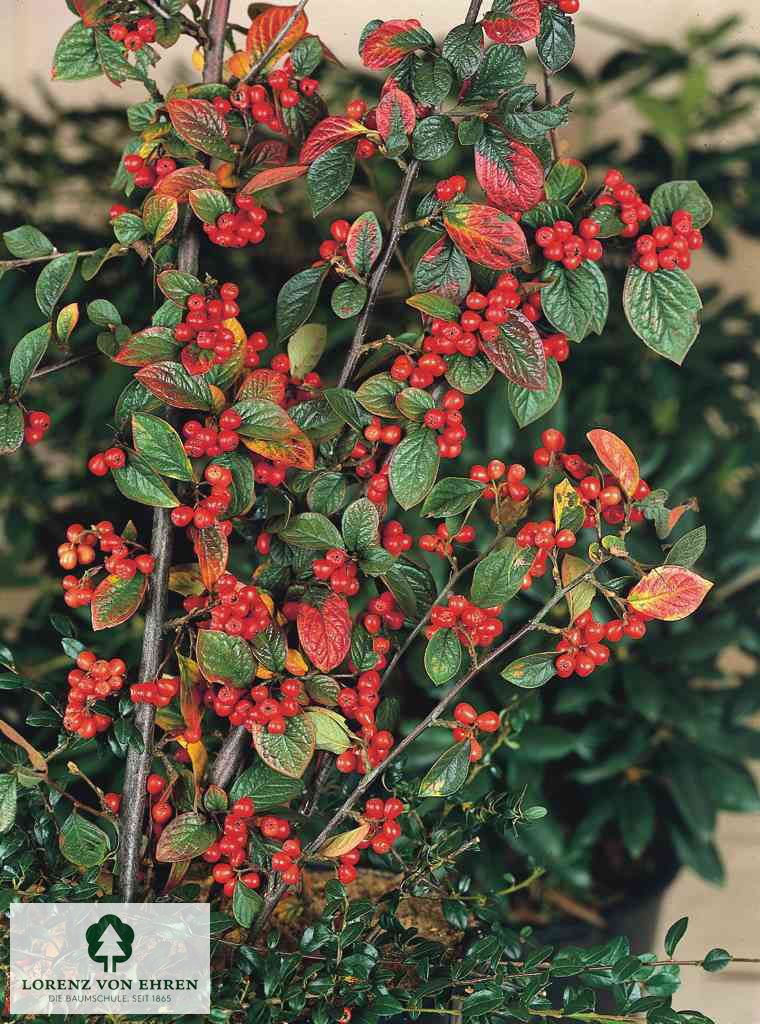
[{"x": 654, "y": 743}]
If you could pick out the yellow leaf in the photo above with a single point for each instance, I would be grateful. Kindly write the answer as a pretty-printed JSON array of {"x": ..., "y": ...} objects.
[
  {"x": 344, "y": 842},
  {"x": 565, "y": 499},
  {"x": 198, "y": 59},
  {"x": 295, "y": 663}
]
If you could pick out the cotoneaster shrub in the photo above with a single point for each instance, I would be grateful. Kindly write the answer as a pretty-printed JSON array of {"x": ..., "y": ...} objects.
[{"x": 282, "y": 583}]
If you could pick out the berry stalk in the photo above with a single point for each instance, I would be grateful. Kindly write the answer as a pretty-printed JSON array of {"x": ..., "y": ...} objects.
[{"x": 138, "y": 761}]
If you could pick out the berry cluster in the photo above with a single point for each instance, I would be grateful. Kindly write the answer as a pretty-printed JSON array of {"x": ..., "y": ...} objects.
[
  {"x": 394, "y": 539},
  {"x": 36, "y": 425},
  {"x": 158, "y": 692},
  {"x": 383, "y": 815},
  {"x": 382, "y": 612},
  {"x": 209, "y": 441},
  {"x": 631, "y": 208},
  {"x": 450, "y": 188},
  {"x": 237, "y": 230},
  {"x": 253, "y": 101},
  {"x": 208, "y": 510},
  {"x": 475, "y": 627},
  {"x": 556, "y": 345},
  {"x": 581, "y": 649},
  {"x": 335, "y": 246},
  {"x": 79, "y": 548},
  {"x": 206, "y": 339},
  {"x": 241, "y": 611},
  {"x": 122, "y": 559},
  {"x": 93, "y": 679},
  {"x": 377, "y": 486},
  {"x": 441, "y": 542},
  {"x": 668, "y": 247},
  {"x": 284, "y": 862},
  {"x": 263, "y": 708},
  {"x": 469, "y": 722},
  {"x": 229, "y": 853},
  {"x": 112, "y": 458},
  {"x": 136, "y": 36},
  {"x": 161, "y": 810},
  {"x": 356, "y": 109},
  {"x": 338, "y": 570},
  {"x": 560, "y": 243},
  {"x": 386, "y": 433},
  {"x": 145, "y": 174},
  {"x": 513, "y": 486},
  {"x": 360, "y": 704}
]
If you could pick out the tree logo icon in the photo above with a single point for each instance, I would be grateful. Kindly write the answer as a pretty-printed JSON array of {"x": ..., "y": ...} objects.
[{"x": 110, "y": 938}]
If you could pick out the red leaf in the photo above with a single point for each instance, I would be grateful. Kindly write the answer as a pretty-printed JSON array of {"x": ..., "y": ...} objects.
[
  {"x": 273, "y": 176},
  {"x": 265, "y": 27},
  {"x": 115, "y": 600},
  {"x": 517, "y": 21},
  {"x": 182, "y": 181},
  {"x": 325, "y": 632},
  {"x": 267, "y": 384},
  {"x": 269, "y": 151},
  {"x": 615, "y": 455},
  {"x": 329, "y": 133},
  {"x": 485, "y": 235},
  {"x": 364, "y": 242},
  {"x": 88, "y": 10},
  {"x": 170, "y": 382},
  {"x": 669, "y": 593},
  {"x": 518, "y": 352},
  {"x": 394, "y": 106},
  {"x": 148, "y": 346},
  {"x": 390, "y": 42},
  {"x": 510, "y": 173},
  {"x": 212, "y": 550},
  {"x": 201, "y": 126}
]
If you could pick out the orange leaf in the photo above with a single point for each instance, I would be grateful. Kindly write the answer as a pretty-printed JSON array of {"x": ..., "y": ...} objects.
[
  {"x": 273, "y": 176},
  {"x": 212, "y": 550},
  {"x": 88, "y": 10},
  {"x": 390, "y": 42},
  {"x": 265, "y": 27},
  {"x": 485, "y": 235},
  {"x": 615, "y": 455},
  {"x": 669, "y": 593},
  {"x": 180, "y": 183},
  {"x": 267, "y": 384},
  {"x": 325, "y": 631},
  {"x": 296, "y": 451},
  {"x": 115, "y": 600},
  {"x": 35, "y": 757}
]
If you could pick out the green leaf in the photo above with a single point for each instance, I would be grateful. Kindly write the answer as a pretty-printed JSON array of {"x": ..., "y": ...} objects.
[
  {"x": 297, "y": 299},
  {"x": 305, "y": 348},
  {"x": 201, "y": 126},
  {"x": 533, "y": 124},
  {"x": 11, "y": 428},
  {"x": 134, "y": 398},
  {"x": 139, "y": 482},
  {"x": 529, "y": 406},
  {"x": 469, "y": 374},
  {"x": 75, "y": 55},
  {"x": 151, "y": 345},
  {"x": 581, "y": 597},
  {"x": 688, "y": 549},
  {"x": 530, "y": 672},
  {"x": 443, "y": 656},
  {"x": 674, "y": 935},
  {"x": 225, "y": 659},
  {"x": 208, "y": 204},
  {"x": 27, "y": 356},
  {"x": 160, "y": 445},
  {"x": 414, "y": 467},
  {"x": 103, "y": 313},
  {"x": 330, "y": 730},
  {"x": 545, "y": 213},
  {"x": 434, "y": 304},
  {"x": 311, "y": 530},
  {"x": 330, "y": 175},
  {"x": 360, "y": 525},
  {"x": 498, "y": 577},
  {"x": 449, "y": 773},
  {"x": 637, "y": 819},
  {"x": 570, "y": 299},
  {"x": 443, "y": 269},
  {"x": 344, "y": 404},
  {"x": 81, "y": 842},
  {"x": 8, "y": 794},
  {"x": 348, "y": 299},
  {"x": 716, "y": 960},
  {"x": 364, "y": 243},
  {"x": 378, "y": 395},
  {"x": 433, "y": 138},
  {"x": 306, "y": 55},
  {"x": 270, "y": 649},
  {"x": 27, "y": 242},
  {"x": 503, "y": 68},
  {"x": 413, "y": 403},
  {"x": 178, "y": 285},
  {"x": 517, "y": 352},
  {"x": 565, "y": 180},
  {"x": 556, "y": 39},
  {"x": 246, "y": 904},
  {"x": 432, "y": 79},
  {"x": 266, "y": 787},
  {"x": 53, "y": 281},
  {"x": 116, "y": 600},
  {"x": 463, "y": 49},
  {"x": 664, "y": 310},
  {"x": 452, "y": 495},
  {"x": 289, "y": 753},
  {"x": 609, "y": 222},
  {"x": 185, "y": 837},
  {"x": 160, "y": 215},
  {"x": 128, "y": 228},
  {"x": 680, "y": 195},
  {"x": 327, "y": 494}
]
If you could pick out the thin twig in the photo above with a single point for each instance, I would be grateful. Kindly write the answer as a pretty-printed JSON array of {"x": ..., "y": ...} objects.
[
  {"x": 266, "y": 56},
  {"x": 138, "y": 760},
  {"x": 63, "y": 365},
  {"x": 549, "y": 96}
]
